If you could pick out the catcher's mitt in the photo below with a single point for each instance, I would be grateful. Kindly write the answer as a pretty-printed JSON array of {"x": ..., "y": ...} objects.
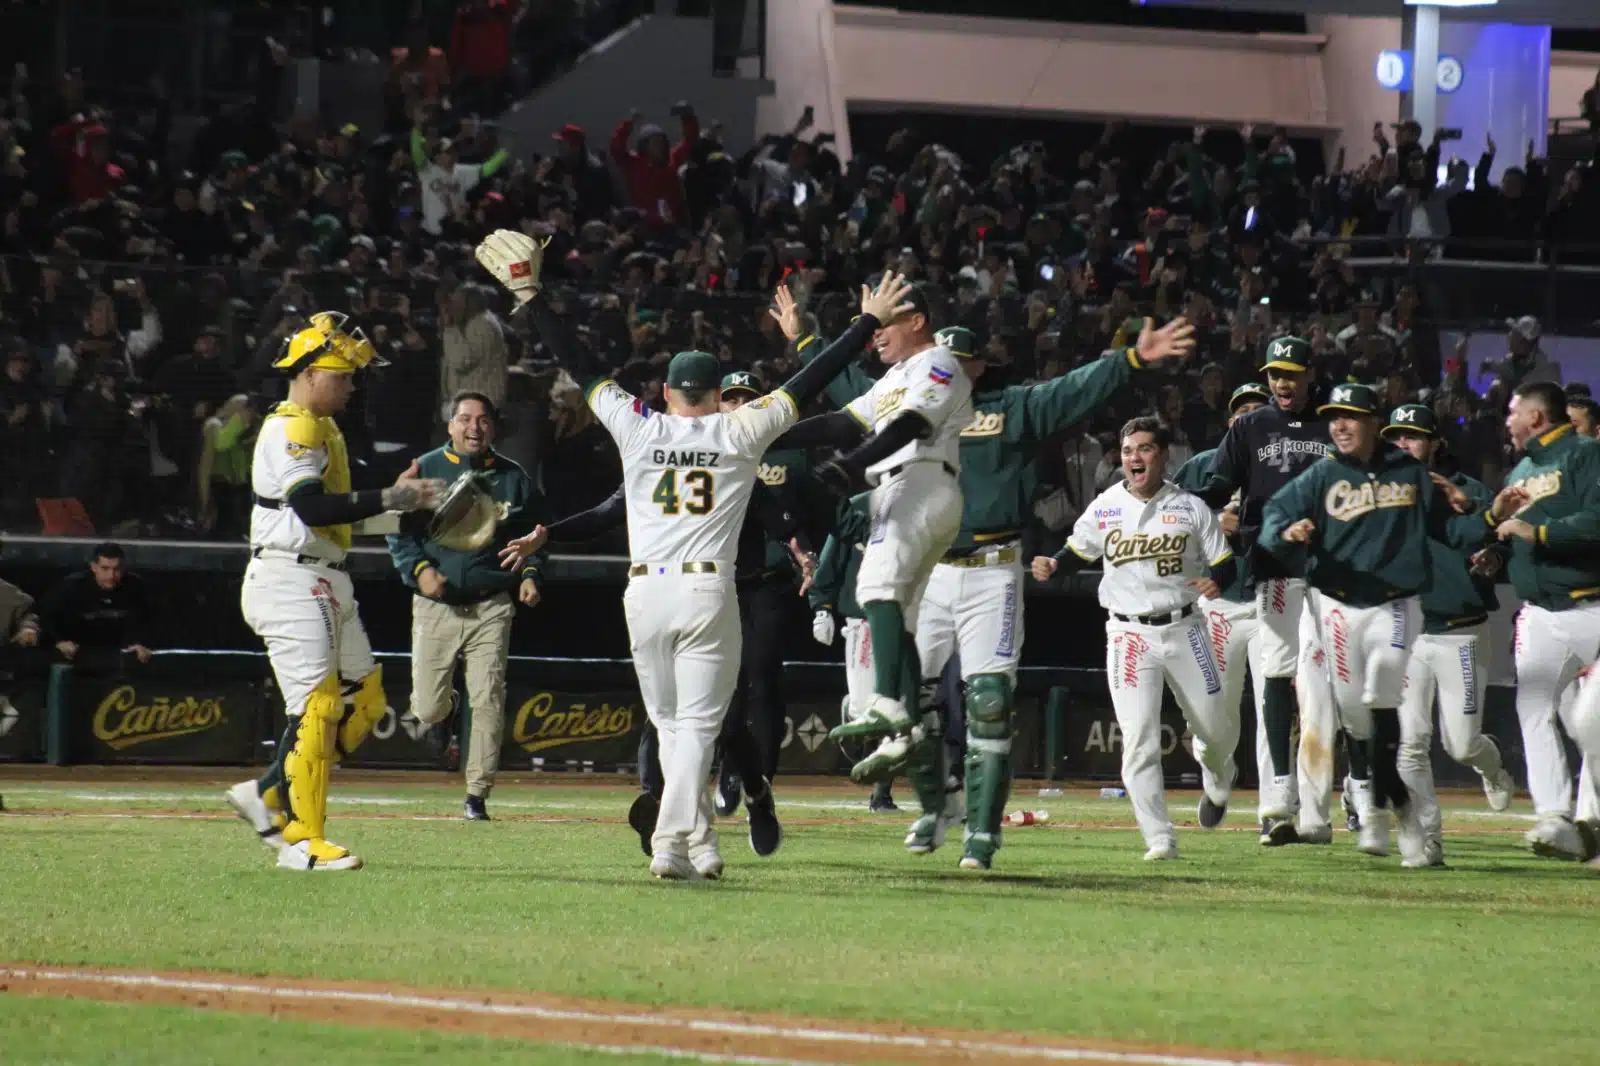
[
  {"x": 515, "y": 259},
  {"x": 466, "y": 517}
]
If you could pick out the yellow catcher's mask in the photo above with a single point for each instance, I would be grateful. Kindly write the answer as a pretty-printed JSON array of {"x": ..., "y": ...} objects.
[{"x": 326, "y": 345}]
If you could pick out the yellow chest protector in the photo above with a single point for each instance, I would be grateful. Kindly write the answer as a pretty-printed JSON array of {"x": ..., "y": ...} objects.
[{"x": 305, "y": 430}]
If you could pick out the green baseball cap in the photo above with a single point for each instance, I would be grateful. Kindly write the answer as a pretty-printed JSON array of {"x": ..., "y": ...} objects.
[
  {"x": 742, "y": 381},
  {"x": 1412, "y": 418},
  {"x": 1247, "y": 393},
  {"x": 962, "y": 342},
  {"x": 1288, "y": 353},
  {"x": 1354, "y": 397},
  {"x": 694, "y": 370}
]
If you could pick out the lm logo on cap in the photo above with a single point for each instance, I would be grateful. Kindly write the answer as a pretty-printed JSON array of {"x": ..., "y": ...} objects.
[
  {"x": 1282, "y": 350},
  {"x": 1343, "y": 394}
]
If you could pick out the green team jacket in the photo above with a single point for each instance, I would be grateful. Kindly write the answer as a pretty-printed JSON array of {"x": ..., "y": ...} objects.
[
  {"x": 1373, "y": 523},
  {"x": 786, "y": 472},
  {"x": 1561, "y": 472},
  {"x": 1193, "y": 476},
  {"x": 471, "y": 577},
  {"x": 999, "y": 475},
  {"x": 833, "y": 587},
  {"x": 1456, "y": 598}
]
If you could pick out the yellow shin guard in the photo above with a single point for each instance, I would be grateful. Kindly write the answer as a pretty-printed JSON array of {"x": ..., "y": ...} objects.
[
  {"x": 369, "y": 707},
  {"x": 308, "y": 766}
]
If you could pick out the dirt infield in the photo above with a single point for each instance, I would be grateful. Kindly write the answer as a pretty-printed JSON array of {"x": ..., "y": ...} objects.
[{"x": 684, "y": 1032}]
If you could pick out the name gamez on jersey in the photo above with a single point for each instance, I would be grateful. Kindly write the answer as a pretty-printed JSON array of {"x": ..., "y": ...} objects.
[
  {"x": 663, "y": 457},
  {"x": 1277, "y": 448}
]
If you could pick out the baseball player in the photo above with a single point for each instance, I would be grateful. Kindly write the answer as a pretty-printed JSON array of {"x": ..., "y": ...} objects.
[
  {"x": 1549, "y": 516},
  {"x": 973, "y": 602},
  {"x": 767, "y": 522},
  {"x": 463, "y": 599},
  {"x": 299, "y": 600},
  {"x": 1361, "y": 519},
  {"x": 1162, "y": 550},
  {"x": 1231, "y": 617},
  {"x": 913, "y": 416},
  {"x": 1259, "y": 454},
  {"x": 1448, "y": 657},
  {"x": 834, "y": 590},
  {"x": 766, "y": 582},
  {"x": 688, "y": 474}
]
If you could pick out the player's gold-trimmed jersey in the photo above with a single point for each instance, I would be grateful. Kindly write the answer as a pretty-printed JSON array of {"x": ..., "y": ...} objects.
[
  {"x": 294, "y": 447},
  {"x": 932, "y": 384},
  {"x": 1150, "y": 549},
  {"x": 688, "y": 481}
]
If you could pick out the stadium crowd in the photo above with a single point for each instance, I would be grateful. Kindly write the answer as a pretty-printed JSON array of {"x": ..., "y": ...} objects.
[{"x": 142, "y": 300}]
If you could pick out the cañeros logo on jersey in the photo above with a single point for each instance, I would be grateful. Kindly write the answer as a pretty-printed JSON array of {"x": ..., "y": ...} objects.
[
  {"x": 1540, "y": 486},
  {"x": 540, "y": 724},
  {"x": 121, "y": 721},
  {"x": 1345, "y": 501},
  {"x": 990, "y": 424}
]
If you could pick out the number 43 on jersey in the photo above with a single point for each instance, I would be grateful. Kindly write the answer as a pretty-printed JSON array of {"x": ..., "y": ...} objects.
[{"x": 696, "y": 496}]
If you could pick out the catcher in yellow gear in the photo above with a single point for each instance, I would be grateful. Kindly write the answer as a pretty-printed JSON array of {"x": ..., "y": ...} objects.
[{"x": 299, "y": 599}]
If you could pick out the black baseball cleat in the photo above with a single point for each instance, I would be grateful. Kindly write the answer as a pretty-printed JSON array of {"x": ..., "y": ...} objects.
[
  {"x": 1211, "y": 814},
  {"x": 473, "y": 810},
  {"x": 728, "y": 792},
  {"x": 766, "y": 835},
  {"x": 642, "y": 819},
  {"x": 1276, "y": 832},
  {"x": 881, "y": 802}
]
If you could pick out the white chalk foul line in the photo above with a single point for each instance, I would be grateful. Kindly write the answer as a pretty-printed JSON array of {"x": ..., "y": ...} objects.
[{"x": 279, "y": 990}]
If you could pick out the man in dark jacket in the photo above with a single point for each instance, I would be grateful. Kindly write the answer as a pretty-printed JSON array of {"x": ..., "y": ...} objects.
[
  {"x": 96, "y": 616},
  {"x": 463, "y": 603}
]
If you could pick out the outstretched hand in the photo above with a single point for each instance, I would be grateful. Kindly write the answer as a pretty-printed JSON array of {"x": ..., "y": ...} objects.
[
  {"x": 517, "y": 551},
  {"x": 787, "y": 313},
  {"x": 1175, "y": 340},
  {"x": 888, "y": 300}
]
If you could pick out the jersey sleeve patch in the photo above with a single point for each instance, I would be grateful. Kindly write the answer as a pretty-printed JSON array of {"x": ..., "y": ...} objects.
[{"x": 300, "y": 431}]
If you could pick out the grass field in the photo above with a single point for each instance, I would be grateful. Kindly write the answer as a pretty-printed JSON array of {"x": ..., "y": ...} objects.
[{"x": 1236, "y": 952}]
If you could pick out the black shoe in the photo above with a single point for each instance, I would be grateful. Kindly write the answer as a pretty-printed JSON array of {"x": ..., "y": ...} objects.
[
  {"x": 766, "y": 835},
  {"x": 729, "y": 791},
  {"x": 881, "y": 802},
  {"x": 473, "y": 810},
  {"x": 1276, "y": 832},
  {"x": 1211, "y": 814},
  {"x": 642, "y": 818}
]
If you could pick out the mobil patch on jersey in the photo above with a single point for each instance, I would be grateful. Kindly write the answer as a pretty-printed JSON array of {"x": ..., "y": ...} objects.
[
  {"x": 1107, "y": 514},
  {"x": 939, "y": 375}
]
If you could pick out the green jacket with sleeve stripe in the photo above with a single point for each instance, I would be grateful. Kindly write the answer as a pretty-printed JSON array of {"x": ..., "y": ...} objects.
[{"x": 1560, "y": 470}]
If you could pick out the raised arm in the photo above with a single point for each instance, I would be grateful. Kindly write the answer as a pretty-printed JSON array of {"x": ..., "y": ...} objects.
[
  {"x": 1054, "y": 405},
  {"x": 877, "y": 306},
  {"x": 516, "y": 260}
]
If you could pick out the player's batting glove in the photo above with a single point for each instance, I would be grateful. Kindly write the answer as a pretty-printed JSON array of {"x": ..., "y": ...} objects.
[
  {"x": 822, "y": 627},
  {"x": 839, "y": 476},
  {"x": 514, "y": 259}
]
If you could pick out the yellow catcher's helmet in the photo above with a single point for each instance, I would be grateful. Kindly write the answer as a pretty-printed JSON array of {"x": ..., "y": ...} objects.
[{"x": 326, "y": 345}]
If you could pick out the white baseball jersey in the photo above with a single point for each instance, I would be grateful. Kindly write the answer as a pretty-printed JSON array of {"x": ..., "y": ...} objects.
[
  {"x": 294, "y": 447},
  {"x": 932, "y": 384},
  {"x": 1152, "y": 548},
  {"x": 688, "y": 480}
]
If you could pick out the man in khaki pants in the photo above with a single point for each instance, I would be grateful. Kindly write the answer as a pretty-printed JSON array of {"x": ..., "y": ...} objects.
[{"x": 463, "y": 604}]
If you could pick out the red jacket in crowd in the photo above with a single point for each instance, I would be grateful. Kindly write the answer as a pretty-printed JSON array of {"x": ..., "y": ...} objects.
[
  {"x": 480, "y": 46},
  {"x": 88, "y": 178},
  {"x": 654, "y": 187}
]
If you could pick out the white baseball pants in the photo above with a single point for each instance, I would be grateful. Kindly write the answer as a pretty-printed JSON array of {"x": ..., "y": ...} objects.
[
  {"x": 1279, "y": 605},
  {"x": 1449, "y": 665},
  {"x": 1319, "y": 721},
  {"x": 1140, "y": 660},
  {"x": 858, "y": 671},
  {"x": 1550, "y": 647},
  {"x": 306, "y": 615},
  {"x": 974, "y": 610},
  {"x": 685, "y": 635},
  {"x": 1233, "y": 629},
  {"x": 915, "y": 518},
  {"x": 1367, "y": 651}
]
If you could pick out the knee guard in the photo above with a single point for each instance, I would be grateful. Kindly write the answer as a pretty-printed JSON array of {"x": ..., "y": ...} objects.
[
  {"x": 308, "y": 765},
  {"x": 988, "y": 759},
  {"x": 367, "y": 706}
]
